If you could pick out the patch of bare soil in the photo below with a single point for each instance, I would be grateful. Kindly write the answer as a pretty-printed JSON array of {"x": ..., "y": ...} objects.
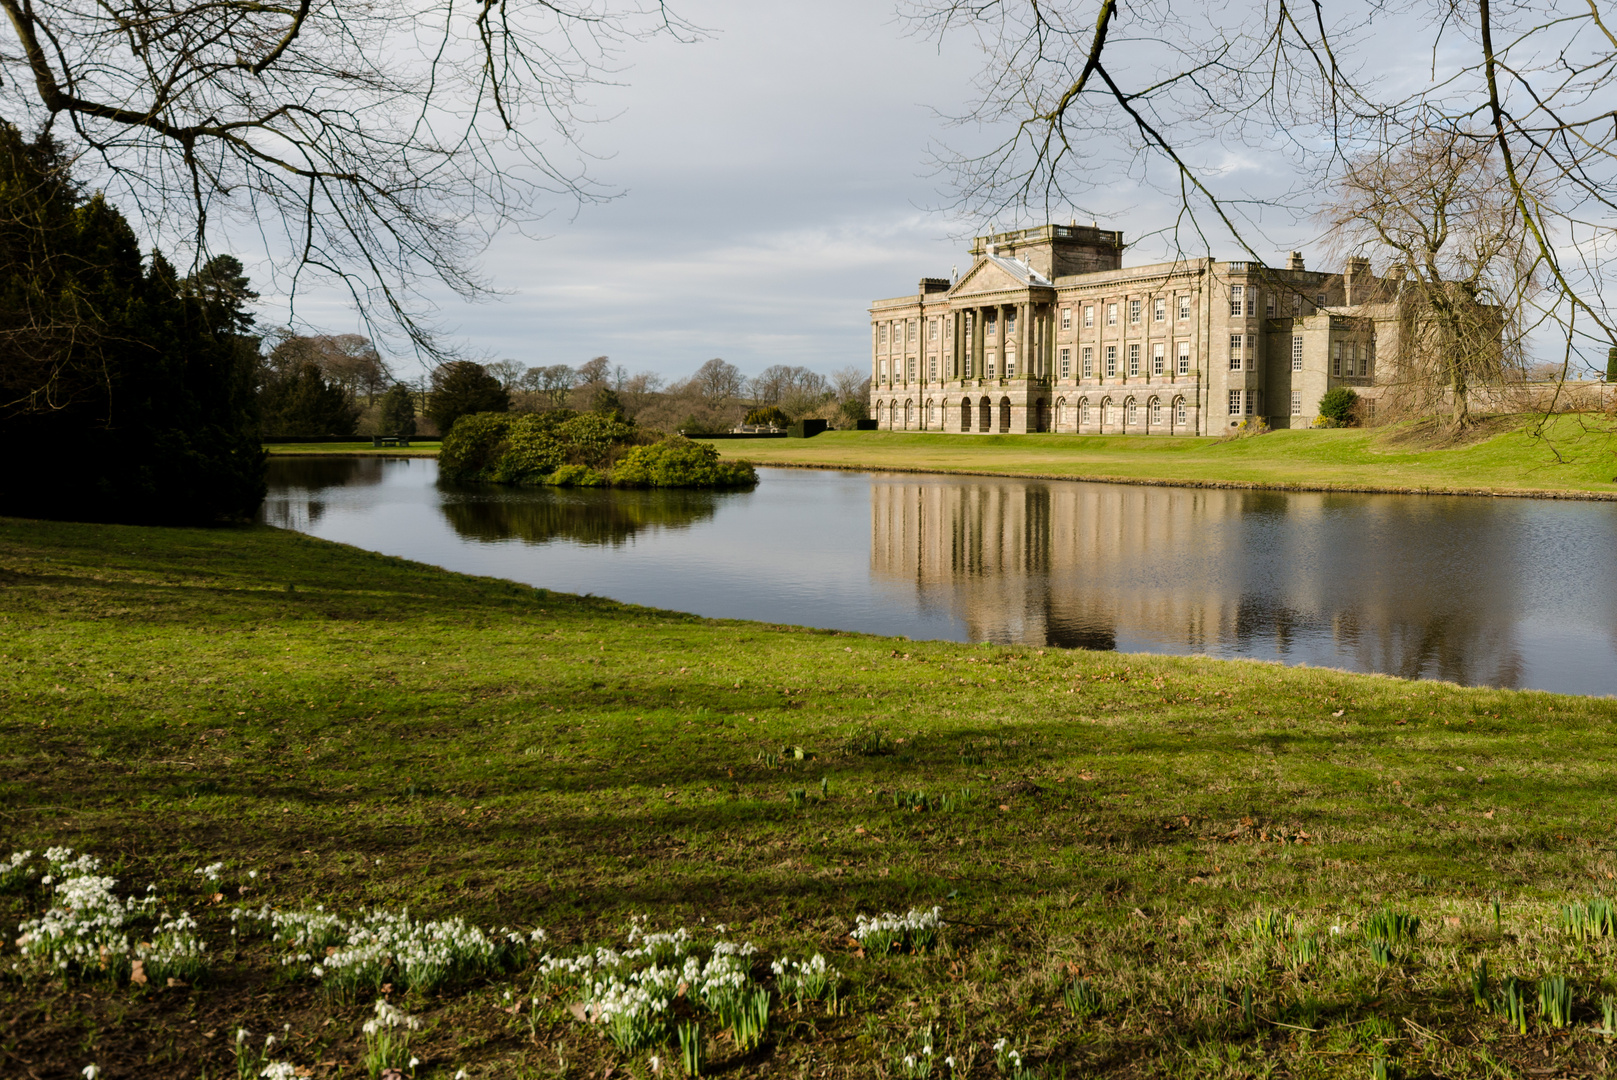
[{"x": 1434, "y": 433}]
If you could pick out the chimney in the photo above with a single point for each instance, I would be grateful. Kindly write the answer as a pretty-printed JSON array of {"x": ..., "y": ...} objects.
[
  {"x": 1357, "y": 282},
  {"x": 1296, "y": 262}
]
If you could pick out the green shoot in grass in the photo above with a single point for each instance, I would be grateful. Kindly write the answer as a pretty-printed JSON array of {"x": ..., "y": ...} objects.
[
  {"x": 1592, "y": 919},
  {"x": 1555, "y": 1001},
  {"x": 1608, "y": 1015},
  {"x": 1515, "y": 1002},
  {"x": 1305, "y": 951},
  {"x": 692, "y": 1058},
  {"x": 1392, "y": 927},
  {"x": 1082, "y": 999},
  {"x": 1479, "y": 986},
  {"x": 1380, "y": 952}
]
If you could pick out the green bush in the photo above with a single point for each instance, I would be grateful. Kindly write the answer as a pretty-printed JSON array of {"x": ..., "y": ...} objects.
[
  {"x": 1339, "y": 406},
  {"x": 531, "y": 454},
  {"x": 575, "y": 476},
  {"x": 473, "y": 447},
  {"x": 590, "y": 437},
  {"x": 398, "y": 411},
  {"x": 769, "y": 415},
  {"x": 679, "y": 462}
]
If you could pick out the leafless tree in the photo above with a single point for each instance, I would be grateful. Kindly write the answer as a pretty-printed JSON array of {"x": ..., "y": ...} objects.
[
  {"x": 553, "y": 383},
  {"x": 1091, "y": 93},
  {"x": 509, "y": 372},
  {"x": 1446, "y": 234},
  {"x": 719, "y": 380},
  {"x": 373, "y": 144},
  {"x": 348, "y": 360}
]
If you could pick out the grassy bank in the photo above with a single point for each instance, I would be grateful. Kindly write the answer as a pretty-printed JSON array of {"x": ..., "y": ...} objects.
[
  {"x": 417, "y": 448},
  {"x": 1148, "y": 865},
  {"x": 1577, "y": 456}
]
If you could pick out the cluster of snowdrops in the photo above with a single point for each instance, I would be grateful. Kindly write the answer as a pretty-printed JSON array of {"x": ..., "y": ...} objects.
[{"x": 566, "y": 449}]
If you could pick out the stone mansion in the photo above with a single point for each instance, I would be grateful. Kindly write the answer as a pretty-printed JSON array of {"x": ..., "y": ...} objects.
[{"x": 1047, "y": 331}]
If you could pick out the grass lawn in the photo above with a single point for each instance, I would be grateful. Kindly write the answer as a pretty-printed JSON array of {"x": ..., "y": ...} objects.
[
  {"x": 1504, "y": 457},
  {"x": 417, "y": 448},
  {"x": 1148, "y": 866}
]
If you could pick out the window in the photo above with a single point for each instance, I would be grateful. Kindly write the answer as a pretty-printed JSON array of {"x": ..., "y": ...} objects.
[
  {"x": 1134, "y": 313},
  {"x": 1184, "y": 358},
  {"x": 1156, "y": 413},
  {"x": 1252, "y": 301},
  {"x": 1111, "y": 314},
  {"x": 1156, "y": 358},
  {"x": 1235, "y": 403},
  {"x": 1296, "y": 352},
  {"x": 1010, "y": 362},
  {"x": 1083, "y": 412},
  {"x": 932, "y": 370},
  {"x": 1066, "y": 318},
  {"x": 1336, "y": 358},
  {"x": 1134, "y": 413},
  {"x": 1089, "y": 315},
  {"x": 932, "y": 329},
  {"x": 989, "y": 365},
  {"x": 1184, "y": 308},
  {"x": 989, "y": 324},
  {"x": 1236, "y": 348},
  {"x": 1319, "y": 300},
  {"x": 1010, "y": 322},
  {"x": 909, "y": 370},
  {"x": 1269, "y": 304},
  {"x": 1297, "y": 304},
  {"x": 882, "y": 375},
  {"x": 1159, "y": 310},
  {"x": 1066, "y": 363},
  {"x": 1134, "y": 359},
  {"x": 1179, "y": 410},
  {"x": 1252, "y": 401},
  {"x": 881, "y": 333},
  {"x": 1111, "y": 361},
  {"x": 1089, "y": 362},
  {"x": 1296, "y": 403},
  {"x": 931, "y": 414},
  {"x": 915, "y": 329},
  {"x": 1370, "y": 409},
  {"x": 968, "y": 366},
  {"x": 1237, "y": 299}
]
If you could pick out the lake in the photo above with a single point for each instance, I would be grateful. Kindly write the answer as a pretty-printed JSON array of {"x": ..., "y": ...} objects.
[{"x": 1498, "y": 592}]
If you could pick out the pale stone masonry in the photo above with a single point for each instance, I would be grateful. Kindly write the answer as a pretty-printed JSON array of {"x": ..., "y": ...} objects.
[{"x": 1047, "y": 331}]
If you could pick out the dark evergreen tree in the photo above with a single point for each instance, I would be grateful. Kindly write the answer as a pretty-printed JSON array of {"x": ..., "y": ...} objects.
[
  {"x": 302, "y": 402},
  {"x": 126, "y": 388},
  {"x": 460, "y": 388},
  {"x": 398, "y": 411}
]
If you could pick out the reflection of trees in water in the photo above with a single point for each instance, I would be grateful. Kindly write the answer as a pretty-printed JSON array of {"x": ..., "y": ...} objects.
[
  {"x": 1407, "y": 586},
  {"x": 583, "y": 515},
  {"x": 314, "y": 473},
  {"x": 294, "y": 480}
]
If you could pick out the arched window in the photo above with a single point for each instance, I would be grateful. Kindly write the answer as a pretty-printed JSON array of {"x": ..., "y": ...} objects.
[
  {"x": 965, "y": 414},
  {"x": 1004, "y": 415},
  {"x": 1156, "y": 412},
  {"x": 1179, "y": 411},
  {"x": 909, "y": 415},
  {"x": 1061, "y": 413},
  {"x": 931, "y": 418},
  {"x": 985, "y": 415},
  {"x": 1107, "y": 419},
  {"x": 1133, "y": 411},
  {"x": 1083, "y": 413}
]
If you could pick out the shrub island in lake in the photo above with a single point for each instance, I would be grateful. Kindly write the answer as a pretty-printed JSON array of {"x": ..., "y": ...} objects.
[{"x": 567, "y": 449}]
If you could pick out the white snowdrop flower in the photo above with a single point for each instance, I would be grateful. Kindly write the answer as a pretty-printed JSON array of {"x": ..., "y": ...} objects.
[
  {"x": 656, "y": 1064},
  {"x": 252, "y": 875},
  {"x": 1336, "y": 928},
  {"x": 280, "y": 1070},
  {"x": 414, "y": 1062},
  {"x": 90, "y": 1071},
  {"x": 270, "y": 1041},
  {"x": 46, "y": 880},
  {"x": 242, "y": 1035},
  {"x": 999, "y": 1047},
  {"x": 909, "y": 1062},
  {"x": 462, "y": 1074},
  {"x": 949, "y": 1061}
]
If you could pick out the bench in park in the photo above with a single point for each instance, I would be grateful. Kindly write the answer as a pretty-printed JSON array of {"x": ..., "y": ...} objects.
[{"x": 390, "y": 440}]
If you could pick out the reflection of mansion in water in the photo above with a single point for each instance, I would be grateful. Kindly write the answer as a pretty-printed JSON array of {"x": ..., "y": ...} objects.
[
  {"x": 1116, "y": 566},
  {"x": 1047, "y": 331}
]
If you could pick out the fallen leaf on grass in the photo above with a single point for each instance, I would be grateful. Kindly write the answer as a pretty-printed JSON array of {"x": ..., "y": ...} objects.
[{"x": 137, "y": 972}]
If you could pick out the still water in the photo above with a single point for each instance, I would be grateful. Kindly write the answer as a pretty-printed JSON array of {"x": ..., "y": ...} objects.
[{"x": 1502, "y": 592}]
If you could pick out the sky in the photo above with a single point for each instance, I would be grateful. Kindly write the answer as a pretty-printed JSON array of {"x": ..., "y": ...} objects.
[{"x": 775, "y": 180}]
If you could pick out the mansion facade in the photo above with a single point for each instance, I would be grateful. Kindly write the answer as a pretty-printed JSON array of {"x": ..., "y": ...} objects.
[{"x": 1047, "y": 331}]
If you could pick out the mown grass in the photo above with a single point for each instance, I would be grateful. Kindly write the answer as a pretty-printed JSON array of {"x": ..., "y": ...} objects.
[
  {"x": 1132, "y": 853},
  {"x": 1573, "y": 453}
]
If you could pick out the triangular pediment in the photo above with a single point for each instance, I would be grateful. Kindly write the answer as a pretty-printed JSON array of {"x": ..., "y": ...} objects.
[{"x": 985, "y": 277}]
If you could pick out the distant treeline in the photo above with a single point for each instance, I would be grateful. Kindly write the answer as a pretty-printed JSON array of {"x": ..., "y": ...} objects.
[{"x": 339, "y": 385}]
